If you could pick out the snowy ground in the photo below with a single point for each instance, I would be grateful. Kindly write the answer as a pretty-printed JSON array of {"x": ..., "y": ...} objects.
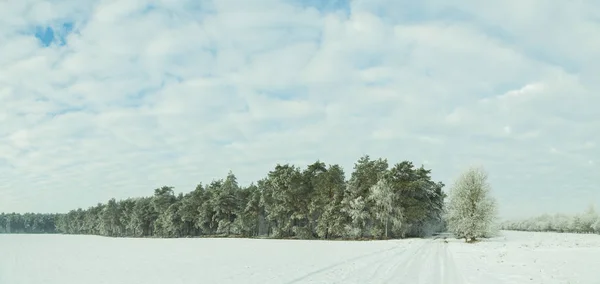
[{"x": 514, "y": 258}]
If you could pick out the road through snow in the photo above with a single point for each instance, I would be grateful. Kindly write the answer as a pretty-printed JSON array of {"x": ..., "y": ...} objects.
[{"x": 429, "y": 261}]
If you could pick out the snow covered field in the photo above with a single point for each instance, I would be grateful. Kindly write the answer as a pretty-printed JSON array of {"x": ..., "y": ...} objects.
[{"x": 516, "y": 257}]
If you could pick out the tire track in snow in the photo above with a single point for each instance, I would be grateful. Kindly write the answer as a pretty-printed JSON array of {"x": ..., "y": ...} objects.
[
  {"x": 431, "y": 264},
  {"x": 450, "y": 268},
  {"x": 403, "y": 267},
  {"x": 372, "y": 272},
  {"x": 328, "y": 268},
  {"x": 427, "y": 263},
  {"x": 368, "y": 271}
]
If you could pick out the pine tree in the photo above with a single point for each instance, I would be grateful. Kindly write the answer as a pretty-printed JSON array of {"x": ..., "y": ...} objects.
[
  {"x": 356, "y": 204},
  {"x": 326, "y": 204},
  {"x": 226, "y": 204}
]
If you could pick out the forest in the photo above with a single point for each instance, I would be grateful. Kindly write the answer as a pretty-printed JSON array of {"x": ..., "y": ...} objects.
[{"x": 377, "y": 201}]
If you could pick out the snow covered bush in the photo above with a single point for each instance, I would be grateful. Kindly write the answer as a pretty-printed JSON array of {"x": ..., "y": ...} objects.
[{"x": 471, "y": 210}]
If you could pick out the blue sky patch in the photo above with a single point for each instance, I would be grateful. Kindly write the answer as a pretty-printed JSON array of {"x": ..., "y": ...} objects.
[
  {"x": 65, "y": 110},
  {"x": 368, "y": 60},
  {"x": 47, "y": 35},
  {"x": 325, "y": 6},
  {"x": 289, "y": 93}
]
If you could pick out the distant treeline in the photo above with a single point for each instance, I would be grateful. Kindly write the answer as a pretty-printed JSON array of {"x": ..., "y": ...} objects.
[
  {"x": 378, "y": 201},
  {"x": 28, "y": 223},
  {"x": 586, "y": 223}
]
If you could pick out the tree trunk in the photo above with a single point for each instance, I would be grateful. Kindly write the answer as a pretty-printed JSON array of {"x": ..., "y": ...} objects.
[
  {"x": 257, "y": 223},
  {"x": 386, "y": 229}
]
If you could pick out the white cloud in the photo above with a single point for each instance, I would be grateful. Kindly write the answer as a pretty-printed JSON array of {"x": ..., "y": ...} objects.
[{"x": 141, "y": 97}]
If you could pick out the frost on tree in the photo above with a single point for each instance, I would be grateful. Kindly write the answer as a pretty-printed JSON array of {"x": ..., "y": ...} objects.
[
  {"x": 597, "y": 226},
  {"x": 385, "y": 210},
  {"x": 471, "y": 211},
  {"x": 586, "y": 222}
]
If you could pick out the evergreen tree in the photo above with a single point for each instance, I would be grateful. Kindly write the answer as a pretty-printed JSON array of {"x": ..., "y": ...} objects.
[
  {"x": 356, "y": 204},
  {"x": 326, "y": 205},
  {"x": 226, "y": 204}
]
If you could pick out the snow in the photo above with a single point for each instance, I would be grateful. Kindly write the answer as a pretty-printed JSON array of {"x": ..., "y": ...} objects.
[
  {"x": 526, "y": 257},
  {"x": 516, "y": 257}
]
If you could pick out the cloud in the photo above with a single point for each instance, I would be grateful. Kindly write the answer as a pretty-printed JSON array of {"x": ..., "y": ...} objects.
[{"x": 114, "y": 98}]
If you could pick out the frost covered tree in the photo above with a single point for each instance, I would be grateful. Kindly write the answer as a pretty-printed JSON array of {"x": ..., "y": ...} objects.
[
  {"x": 561, "y": 223},
  {"x": 162, "y": 199},
  {"x": 358, "y": 211},
  {"x": 226, "y": 203},
  {"x": 471, "y": 210},
  {"x": 596, "y": 226},
  {"x": 385, "y": 210},
  {"x": 588, "y": 219},
  {"x": 356, "y": 204},
  {"x": 281, "y": 190},
  {"x": 326, "y": 204}
]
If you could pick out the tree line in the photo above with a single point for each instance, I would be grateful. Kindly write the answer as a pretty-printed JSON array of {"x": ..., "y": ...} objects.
[
  {"x": 28, "y": 223},
  {"x": 377, "y": 201},
  {"x": 584, "y": 223}
]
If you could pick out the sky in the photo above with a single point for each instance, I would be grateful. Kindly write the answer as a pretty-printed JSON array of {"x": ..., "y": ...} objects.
[{"x": 102, "y": 99}]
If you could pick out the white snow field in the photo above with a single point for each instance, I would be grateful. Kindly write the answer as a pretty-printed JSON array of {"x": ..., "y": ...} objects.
[{"x": 513, "y": 258}]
